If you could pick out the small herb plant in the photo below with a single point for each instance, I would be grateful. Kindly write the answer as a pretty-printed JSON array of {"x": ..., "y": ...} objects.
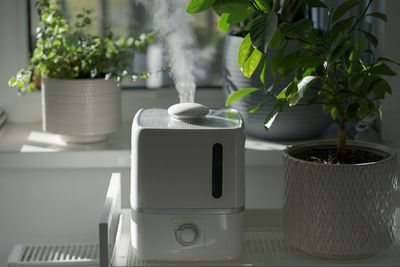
[
  {"x": 67, "y": 52},
  {"x": 348, "y": 77}
]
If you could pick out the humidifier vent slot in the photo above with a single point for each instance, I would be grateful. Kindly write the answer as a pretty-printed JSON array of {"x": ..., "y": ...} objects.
[{"x": 217, "y": 168}]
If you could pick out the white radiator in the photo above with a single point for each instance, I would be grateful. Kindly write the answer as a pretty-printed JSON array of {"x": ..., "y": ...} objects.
[
  {"x": 75, "y": 255},
  {"x": 54, "y": 255}
]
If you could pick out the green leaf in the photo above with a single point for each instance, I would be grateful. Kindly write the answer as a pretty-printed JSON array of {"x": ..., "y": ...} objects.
[
  {"x": 373, "y": 127},
  {"x": 248, "y": 26},
  {"x": 277, "y": 39},
  {"x": 278, "y": 107},
  {"x": 260, "y": 105},
  {"x": 288, "y": 63},
  {"x": 239, "y": 94},
  {"x": 314, "y": 3},
  {"x": 196, "y": 6},
  {"x": 45, "y": 16},
  {"x": 355, "y": 56},
  {"x": 244, "y": 50},
  {"x": 382, "y": 69},
  {"x": 311, "y": 101},
  {"x": 229, "y": 6},
  {"x": 380, "y": 110},
  {"x": 251, "y": 63},
  {"x": 287, "y": 92},
  {"x": 223, "y": 24},
  {"x": 56, "y": 42},
  {"x": 352, "y": 111},
  {"x": 20, "y": 84},
  {"x": 248, "y": 57},
  {"x": 262, "y": 31},
  {"x": 346, "y": 93},
  {"x": 240, "y": 15},
  {"x": 277, "y": 58},
  {"x": 339, "y": 51},
  {"x": 378, "y": 15},
  {"x": 31, "y": 87},
  {"x": 12, "y": 82},
  {"x": 264, "y": 5},
  {"x": 309, "y": 60},
  {"x": 270, "y": 119},
  {"x": 379, "y": 88},
  {"x": 340, "y": 27},
  {"x": 302, "y": 86},
  {"x": 257, "y": 107},
  {"x": 370, "y": 37},
  {"x": 343, "y": 8},
  {"x": 87, "y": 20},
  {"x": 388, "y": 60},
  {"x": 264, "y": 63},
  {"x": 299, "y": 29},
  {"x": 334, "y": 113},
  {"x": 356, "y": 81}
]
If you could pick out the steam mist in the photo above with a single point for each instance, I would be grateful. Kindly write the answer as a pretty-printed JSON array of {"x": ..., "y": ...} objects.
[{"x": 173, "y": 24}]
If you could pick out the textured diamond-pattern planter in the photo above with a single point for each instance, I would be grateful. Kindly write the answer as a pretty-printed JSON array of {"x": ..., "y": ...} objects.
[
  {"x": 339, "y": 211},
  {"x": 81, "y": 110}
]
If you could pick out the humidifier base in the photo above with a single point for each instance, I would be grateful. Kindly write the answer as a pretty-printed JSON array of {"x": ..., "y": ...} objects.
[{"x": 202, "y": 235}]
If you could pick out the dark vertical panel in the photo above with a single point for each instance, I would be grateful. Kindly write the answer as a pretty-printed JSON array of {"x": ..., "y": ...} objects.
[{"x": 217, "y": 170}]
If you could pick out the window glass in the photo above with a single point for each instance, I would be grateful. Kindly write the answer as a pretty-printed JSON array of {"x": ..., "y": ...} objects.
[{"x": 129, "y": 18}]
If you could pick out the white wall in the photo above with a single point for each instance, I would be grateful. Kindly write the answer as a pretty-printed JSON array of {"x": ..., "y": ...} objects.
[
  {"x": 14, "y": 56},
  {"x": 391, "y": 105}
]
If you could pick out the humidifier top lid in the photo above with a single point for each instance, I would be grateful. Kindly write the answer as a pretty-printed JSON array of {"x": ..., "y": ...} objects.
[
  {"x": 188, "y": 111},
  {"x": 189, "y": 116}
]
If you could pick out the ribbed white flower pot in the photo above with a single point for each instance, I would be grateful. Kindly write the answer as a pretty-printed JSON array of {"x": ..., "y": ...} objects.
[
  {"x": 339, "y": 211},
  {"x": 81, "y": 110}
]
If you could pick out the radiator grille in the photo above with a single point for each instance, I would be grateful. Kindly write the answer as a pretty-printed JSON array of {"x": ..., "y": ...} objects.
[{"x": 76, "y": 254}]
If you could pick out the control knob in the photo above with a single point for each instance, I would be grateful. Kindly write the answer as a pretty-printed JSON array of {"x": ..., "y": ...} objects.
[{"x": 187, "y": 234}]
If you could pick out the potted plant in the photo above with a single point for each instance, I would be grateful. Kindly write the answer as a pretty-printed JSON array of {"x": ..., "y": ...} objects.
[
  {"x": 259, "y": 33},
  {"x": 79, "y": 75},
  {"x": 338, "y": 193}
]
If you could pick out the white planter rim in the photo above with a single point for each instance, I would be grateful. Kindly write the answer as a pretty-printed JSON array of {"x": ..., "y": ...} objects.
[
  {"x": 80, "y": 80},
  {"x": 386, "y": 151}
]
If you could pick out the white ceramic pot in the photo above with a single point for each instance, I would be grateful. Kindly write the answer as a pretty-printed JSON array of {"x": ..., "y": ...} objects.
[
  {"x": 339, "y": 211},
  {"x": 81, "y": 110}
]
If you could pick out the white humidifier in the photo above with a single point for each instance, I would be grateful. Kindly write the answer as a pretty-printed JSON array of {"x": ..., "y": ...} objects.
[{"x": 187, "y": 183}]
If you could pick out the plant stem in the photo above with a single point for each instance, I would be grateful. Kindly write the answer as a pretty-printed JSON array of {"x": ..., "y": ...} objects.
[
  {"x": 330, "y": 18},
  {"x": 361, "y": 17}
]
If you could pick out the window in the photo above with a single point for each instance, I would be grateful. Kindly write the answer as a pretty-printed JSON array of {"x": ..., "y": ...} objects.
[{"x": 130, "y": 18}]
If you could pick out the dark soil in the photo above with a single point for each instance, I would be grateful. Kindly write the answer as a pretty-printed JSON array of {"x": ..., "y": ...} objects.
[{"x": 330, "y": 156}]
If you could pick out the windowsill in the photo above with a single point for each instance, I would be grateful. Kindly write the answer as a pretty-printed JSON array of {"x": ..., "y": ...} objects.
[{"x": 25, "y": 145}]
